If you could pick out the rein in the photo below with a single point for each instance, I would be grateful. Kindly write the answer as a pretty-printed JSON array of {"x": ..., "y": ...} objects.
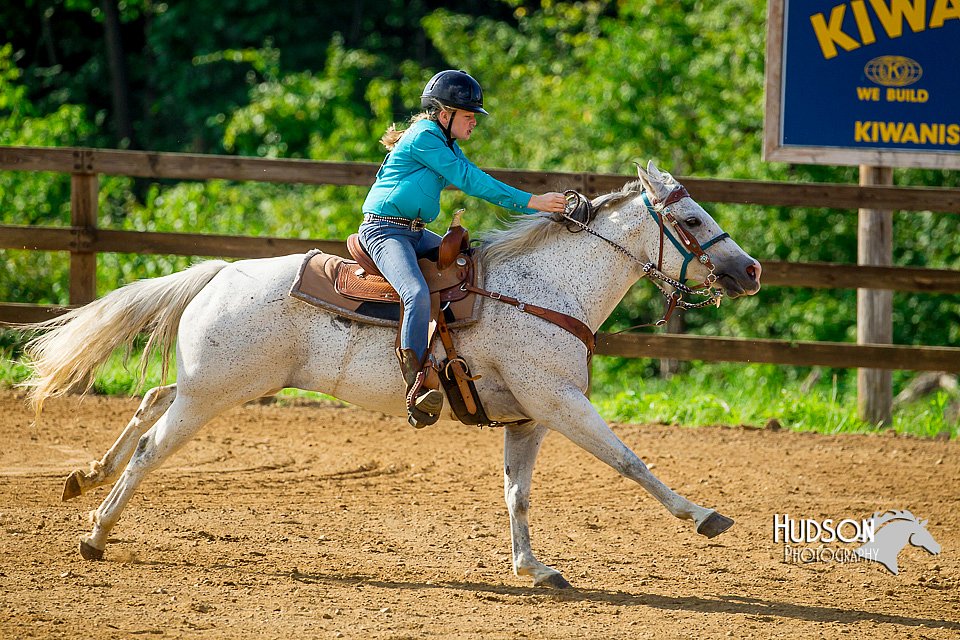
[{"x": 688, "y": 246}]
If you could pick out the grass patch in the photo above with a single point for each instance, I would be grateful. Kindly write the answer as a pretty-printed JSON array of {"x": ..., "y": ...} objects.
[{"x": 706, "y": 394}]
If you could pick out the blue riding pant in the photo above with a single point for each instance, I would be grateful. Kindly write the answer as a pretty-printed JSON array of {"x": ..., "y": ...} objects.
[{"x": 395, "y": 251}]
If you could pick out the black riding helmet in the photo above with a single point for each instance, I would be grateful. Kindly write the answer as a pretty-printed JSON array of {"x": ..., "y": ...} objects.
[{"x": 455, "y": 89}]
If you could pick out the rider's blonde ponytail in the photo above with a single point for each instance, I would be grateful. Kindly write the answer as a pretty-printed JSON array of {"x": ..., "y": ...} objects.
[{"x": 392, "y": 135}]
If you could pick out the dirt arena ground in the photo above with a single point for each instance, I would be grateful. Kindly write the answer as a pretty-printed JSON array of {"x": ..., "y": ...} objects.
[{"x": 318, "y": 521}]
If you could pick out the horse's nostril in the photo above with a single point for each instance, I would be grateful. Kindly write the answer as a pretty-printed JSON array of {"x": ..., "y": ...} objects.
[{"x": 754, "y": 271}]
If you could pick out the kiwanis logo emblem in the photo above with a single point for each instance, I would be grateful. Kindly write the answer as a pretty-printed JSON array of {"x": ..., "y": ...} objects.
[
  {"x": 893, "y": 71},
  {"x": 881, "y": 538}
]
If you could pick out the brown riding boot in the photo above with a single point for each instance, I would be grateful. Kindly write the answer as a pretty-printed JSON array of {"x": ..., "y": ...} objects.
[{"x": 424, "y": 399}]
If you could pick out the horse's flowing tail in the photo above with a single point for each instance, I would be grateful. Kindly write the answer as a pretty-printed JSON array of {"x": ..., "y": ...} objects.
[{"x": 72, "y": 346}]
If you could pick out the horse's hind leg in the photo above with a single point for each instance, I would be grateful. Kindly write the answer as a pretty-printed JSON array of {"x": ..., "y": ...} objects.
[
  {"x": 103, "y": 471},
  {"x": 180, "y": 422},
  {"x": 520, "y": 447}
]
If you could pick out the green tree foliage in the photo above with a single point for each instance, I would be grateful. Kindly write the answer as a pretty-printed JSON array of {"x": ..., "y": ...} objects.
[
  {"x": 322, "y": 115},
  {"x": 33, "y": 198},
  {"x": 169, "y": 48}
]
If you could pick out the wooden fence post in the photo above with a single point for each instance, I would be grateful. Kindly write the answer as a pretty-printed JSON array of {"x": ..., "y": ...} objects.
[
  {"x": 84, "y": 191},
  {"x": 875, "y": 306}
]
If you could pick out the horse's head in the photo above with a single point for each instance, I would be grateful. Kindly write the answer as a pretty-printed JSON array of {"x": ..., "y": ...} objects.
[{"x": 679, "y": 233}]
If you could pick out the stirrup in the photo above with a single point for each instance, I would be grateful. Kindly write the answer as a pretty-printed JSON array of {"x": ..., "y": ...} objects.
[
  {"x": 423, "y": 409},
  {"x": 424, "y": 403}
]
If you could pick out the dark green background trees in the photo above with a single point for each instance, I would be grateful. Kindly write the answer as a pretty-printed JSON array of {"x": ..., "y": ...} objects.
[{"x": 579, "y": 86}]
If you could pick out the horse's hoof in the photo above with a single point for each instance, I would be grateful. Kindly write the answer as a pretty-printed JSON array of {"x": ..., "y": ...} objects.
[
  {"x": 71, "y": 488},
  {"x": 714, "y": 524},
  {"x": 554, "y": 581},
  {"x": 90, "y": 552}
]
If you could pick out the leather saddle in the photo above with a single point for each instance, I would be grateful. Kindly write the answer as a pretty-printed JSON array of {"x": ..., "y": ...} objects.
[
  {"x": 355, "y": 288},
  {"x": 361, "y": 280}
]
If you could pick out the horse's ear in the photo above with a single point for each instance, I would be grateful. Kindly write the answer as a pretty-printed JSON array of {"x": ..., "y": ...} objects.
[
  {"x": 654, "y": 172},
  {"x": 653, "y": 181},
  {"x": 645, "y": 180},
  {"x": 640, "y": 172}
]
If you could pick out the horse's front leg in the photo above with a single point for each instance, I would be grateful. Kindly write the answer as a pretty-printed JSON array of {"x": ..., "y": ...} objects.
[
  {"x": 520, "y": 447},
  {"x": 568, "y": 411}
]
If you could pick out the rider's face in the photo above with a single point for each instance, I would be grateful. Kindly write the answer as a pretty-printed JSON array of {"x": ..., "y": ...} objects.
[{"x": 463, "y": 123}]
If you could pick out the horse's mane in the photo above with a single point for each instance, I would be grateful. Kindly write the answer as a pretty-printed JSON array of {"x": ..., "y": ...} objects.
[{"x": 526, "y": 231}]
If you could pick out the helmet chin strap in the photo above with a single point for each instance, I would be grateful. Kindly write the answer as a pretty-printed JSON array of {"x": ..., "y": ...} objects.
[{"x": 449, "y": 128}]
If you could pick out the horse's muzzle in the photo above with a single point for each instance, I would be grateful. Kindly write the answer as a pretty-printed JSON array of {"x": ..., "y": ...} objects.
[{"x": 744, "y": 280}]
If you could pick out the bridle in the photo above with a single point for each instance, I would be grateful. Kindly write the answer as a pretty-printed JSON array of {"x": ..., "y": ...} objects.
[{"x": 688, "y": 246}]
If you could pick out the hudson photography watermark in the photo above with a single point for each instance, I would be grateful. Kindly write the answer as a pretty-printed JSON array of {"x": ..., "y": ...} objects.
[{"x": 879, "y": 538}]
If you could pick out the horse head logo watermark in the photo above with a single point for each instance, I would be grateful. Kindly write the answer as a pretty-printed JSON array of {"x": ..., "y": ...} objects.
[{"x": 892, "y": 531}]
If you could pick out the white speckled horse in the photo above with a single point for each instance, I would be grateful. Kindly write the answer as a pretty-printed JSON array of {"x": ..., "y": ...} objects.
[{"x": 239, "y": 336}]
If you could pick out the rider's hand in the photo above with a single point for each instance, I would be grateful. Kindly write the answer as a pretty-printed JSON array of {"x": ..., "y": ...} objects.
[{"x": 551, "y": 202}]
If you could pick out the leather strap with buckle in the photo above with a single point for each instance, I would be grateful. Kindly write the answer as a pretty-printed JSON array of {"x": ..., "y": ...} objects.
[{"x": 562, "y": 320}]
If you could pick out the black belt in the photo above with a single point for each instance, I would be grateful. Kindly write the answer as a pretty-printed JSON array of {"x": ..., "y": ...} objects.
[{"x": 414, "y": 225}]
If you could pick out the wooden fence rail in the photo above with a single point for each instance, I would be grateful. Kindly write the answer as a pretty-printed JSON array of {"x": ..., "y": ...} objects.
[
  {"x": 84, "y": 240},
  {"x": 817, "y": 275},
  {"x": 841, "y": 355},
  {"x": 186, "y": 166}
]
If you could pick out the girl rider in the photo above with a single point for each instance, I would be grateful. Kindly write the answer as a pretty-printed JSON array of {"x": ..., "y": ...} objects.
[{"x": 421, "y": 161}]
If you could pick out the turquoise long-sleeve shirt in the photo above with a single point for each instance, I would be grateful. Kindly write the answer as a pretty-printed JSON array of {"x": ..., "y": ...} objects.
[{"x": 418, "y": 168}]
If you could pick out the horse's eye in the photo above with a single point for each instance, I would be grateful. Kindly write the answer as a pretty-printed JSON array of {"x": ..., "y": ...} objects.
[{"x": 692, "y": 221}]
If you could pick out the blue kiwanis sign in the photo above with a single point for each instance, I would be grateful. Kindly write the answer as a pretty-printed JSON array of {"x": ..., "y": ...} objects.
[{"x": 864, "y": 82}]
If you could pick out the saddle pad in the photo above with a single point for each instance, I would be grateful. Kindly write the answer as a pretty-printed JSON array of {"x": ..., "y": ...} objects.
[{"x": 316, "y": 284}]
